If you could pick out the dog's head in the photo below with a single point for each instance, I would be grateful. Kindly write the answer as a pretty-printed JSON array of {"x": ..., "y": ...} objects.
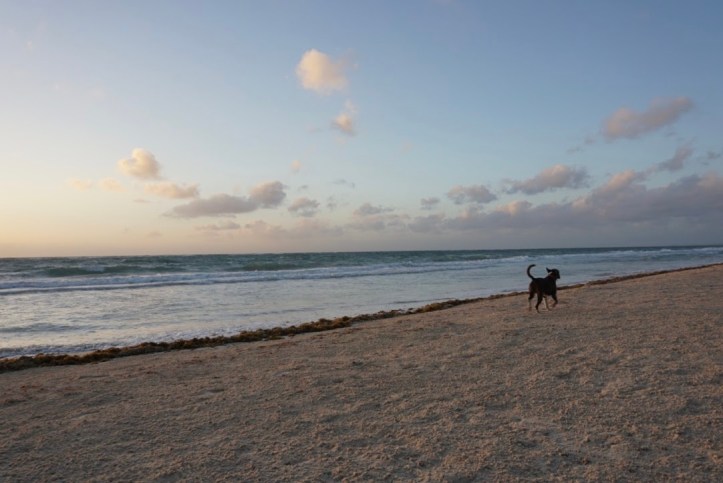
[{"x": 553, "y": 273}]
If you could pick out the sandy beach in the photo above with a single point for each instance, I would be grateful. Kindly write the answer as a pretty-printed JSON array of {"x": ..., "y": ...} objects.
[{"x": 621, "y": 381}]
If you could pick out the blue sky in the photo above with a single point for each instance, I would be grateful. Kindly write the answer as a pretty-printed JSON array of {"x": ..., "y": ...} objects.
[{"x": 223, "y": 127}]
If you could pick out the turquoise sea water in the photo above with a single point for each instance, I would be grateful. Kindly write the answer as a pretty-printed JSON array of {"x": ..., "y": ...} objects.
[{"x": 61, "y": 305}]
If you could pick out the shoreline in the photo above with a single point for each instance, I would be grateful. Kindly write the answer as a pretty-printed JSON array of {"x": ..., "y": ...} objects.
[
  {"x": 621, "y": 381},
  {"x": 41, "y": 360}
]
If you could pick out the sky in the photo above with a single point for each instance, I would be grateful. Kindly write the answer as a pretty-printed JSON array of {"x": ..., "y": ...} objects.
[{"x": 174, "y": 127}]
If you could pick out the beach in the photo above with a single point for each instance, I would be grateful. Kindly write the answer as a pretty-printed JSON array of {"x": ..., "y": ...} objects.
[{"x": 621, "y": 381}]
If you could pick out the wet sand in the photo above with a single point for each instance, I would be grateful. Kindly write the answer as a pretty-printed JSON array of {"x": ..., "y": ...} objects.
[{"x": 621, "y": 381}]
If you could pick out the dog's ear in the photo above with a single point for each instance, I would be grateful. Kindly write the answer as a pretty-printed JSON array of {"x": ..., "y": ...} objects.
[{"x": 548, "y": 270}]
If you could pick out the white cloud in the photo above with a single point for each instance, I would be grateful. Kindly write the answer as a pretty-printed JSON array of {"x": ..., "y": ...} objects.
[
  {"x": 142, "y": 164},
  {"x": 80, "y": 184},
  {"x": 428, "y": 224},
  {"x": 344, "y": 122},
  {"x": 369, "y": 217},
  {"x": 318, "y": 72},
  {"x": 262, "y": 229},
  {"x": 344, "y": 182},
  {"x": 621, "y": 208},
  {"x": 305, "y": 228},
  {"x": 268, "y": 195},
  {"x": 626, "y": 123},
  {"x": 588, "y": 141},
  {"x": 380, "y": 222},
  {"x": 429, "y": 203},
  {"x": 172, "y": 190},
  {"x": 676, "y": 163},
  {"x": 296, "y": 166},
  {"x": 111, "y": 184},
  {"x": 558, "y": 176},
  {"x": 314, "y": 228},
  {"x": 619, "y": 182},
  {"x": 226, "y": 226},
  {"x": 470, "y": 194},
  {"x": 367, "y": 209},
  {"x": 332, "y": 203},
  {"x": 689, "y": 197},
  {"x": 221, "y": 204},
  {"x": 617, "y": 187},
  {"x": 621, "y": 202},
  {"x": 515, "y": 208},
  {"x": 265, "y": 195},
  {"x": 304, "y": 207}
]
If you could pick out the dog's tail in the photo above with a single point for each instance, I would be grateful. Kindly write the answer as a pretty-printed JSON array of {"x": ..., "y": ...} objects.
[{"x": 528, "y": 271}]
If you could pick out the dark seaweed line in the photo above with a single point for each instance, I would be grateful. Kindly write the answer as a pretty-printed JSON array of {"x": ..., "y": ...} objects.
[{"x": 321, "y": 325}]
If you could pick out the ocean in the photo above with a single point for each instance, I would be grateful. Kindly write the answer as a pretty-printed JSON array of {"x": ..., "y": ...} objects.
[{"x": 80, "y": 304}]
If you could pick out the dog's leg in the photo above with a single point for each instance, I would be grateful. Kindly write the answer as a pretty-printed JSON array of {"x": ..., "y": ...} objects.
[
  {"x": 554, "y": 297},
  {"x": 529, "y": 299},
  {"x": 539, "y": 301}
]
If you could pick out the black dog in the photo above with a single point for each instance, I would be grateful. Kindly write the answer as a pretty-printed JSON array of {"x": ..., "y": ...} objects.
[{"x": 542, "y": 287}]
